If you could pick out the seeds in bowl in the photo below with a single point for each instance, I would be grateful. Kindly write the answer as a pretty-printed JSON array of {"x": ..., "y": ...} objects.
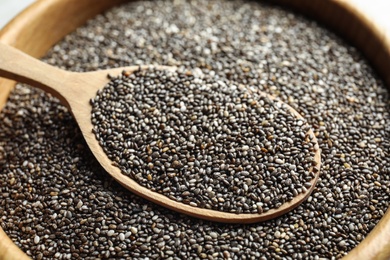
[{"x": 278, "y": 52}]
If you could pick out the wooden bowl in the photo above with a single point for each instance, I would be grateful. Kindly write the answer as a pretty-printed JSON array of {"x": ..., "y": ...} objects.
[{"x": 29, "y": 31}]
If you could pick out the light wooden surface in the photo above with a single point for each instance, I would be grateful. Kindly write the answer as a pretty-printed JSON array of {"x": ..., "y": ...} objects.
[
  {"x": 343, "y": 16},
  {"x": 8, "y": 250},
  {"x": 75, "y": 90}
]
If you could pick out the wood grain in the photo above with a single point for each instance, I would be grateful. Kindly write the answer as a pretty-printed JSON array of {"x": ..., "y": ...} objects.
[
  {"x": 30, "y": 32},
  {"x": 8, "y": 250}
]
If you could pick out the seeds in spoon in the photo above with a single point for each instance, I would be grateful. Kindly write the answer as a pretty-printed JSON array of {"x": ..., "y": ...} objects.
[{"x": 203, "y": 142}]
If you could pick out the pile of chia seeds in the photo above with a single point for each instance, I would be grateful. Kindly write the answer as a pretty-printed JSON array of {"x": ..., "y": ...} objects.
[
  {"x": 203, "y": 142},
  {"x": 57, "y": 202}
]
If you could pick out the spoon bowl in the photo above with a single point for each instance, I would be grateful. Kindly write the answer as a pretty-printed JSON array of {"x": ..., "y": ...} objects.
[{"x": 75, "y": 90}]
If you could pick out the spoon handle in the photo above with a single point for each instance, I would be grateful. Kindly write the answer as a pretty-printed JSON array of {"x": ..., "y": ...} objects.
[{"x": 18, "y": 66}]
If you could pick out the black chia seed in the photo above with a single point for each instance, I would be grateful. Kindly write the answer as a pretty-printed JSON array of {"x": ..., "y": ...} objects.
[
  {"x": 203, "y": 142},
  {"x": 53, "y": 192}
]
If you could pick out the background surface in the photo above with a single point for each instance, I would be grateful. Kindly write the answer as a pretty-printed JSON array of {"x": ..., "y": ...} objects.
[{"x": 10, "y": 8}]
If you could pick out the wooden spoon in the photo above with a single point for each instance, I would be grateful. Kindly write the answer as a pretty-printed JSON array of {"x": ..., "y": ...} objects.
[{"x": 75, "y": 90}]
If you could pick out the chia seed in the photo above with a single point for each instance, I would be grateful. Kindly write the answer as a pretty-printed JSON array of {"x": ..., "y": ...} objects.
[{"x": 261, "y": 46}]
